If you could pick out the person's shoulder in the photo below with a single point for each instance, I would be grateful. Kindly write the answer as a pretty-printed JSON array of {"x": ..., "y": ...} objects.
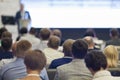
[
  {"x": 64, "y": 66},
  {"x": 27, "y": 12}
]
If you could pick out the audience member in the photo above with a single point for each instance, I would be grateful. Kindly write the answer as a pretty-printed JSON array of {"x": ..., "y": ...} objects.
[
  {"x": 75, "y": 70},
  {"x": 111, "y": 54},
  {"x": 32, "y": 38},
  {"x": 6, "y": 55},
  {"x": 17, "y": 69},
  {"x": 67, "y": 50},
  {"x": 58, "y": 33},
  {"x": 6, "y": 44},
  {"x": 6, "y": 34},
  {"x": 44, "y": 37},
  {"x": 98, "y": 43},
  {"x": 91, "y": 44},
  {"x": 3, "y": 29},
  {"x": 51, "y": 52},
  {"x": 34, "y": 61},
  {"x": 96, "y": 62},
  {"x": 114, "y": 35},
  {"x": 22, "y": 32}
]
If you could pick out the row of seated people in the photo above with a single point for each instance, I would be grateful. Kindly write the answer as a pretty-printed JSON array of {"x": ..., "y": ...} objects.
[{"x": 73, "y": 52}]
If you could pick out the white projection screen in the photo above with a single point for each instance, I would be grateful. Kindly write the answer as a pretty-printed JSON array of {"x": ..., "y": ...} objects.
[{"x": 74, "y": 13}]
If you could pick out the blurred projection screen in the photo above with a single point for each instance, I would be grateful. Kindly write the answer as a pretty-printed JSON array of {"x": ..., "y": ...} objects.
[{"x": 74, "y": 13}]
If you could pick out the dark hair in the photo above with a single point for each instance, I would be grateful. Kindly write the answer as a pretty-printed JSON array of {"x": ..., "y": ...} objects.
[
  {"x": 6, "y": 34},
  {"x": 6, "y": 43},
  {"x": 79, "y": 49},
  {"x": 45, "y": 33},
  {"x": 35, "y": 60},
  {"x": 32, "y": 31},
  {"x": 90, "y": 32},
  {"x": 114, "y": 32},
  {"x": 23, "y": 30},
  {"x": 3, "y": 29},
  {"x": 54, "y": 42},
  {"x": 96, "y": 60}
]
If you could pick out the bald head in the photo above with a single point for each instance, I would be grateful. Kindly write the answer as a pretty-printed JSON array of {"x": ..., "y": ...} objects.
[
  {"x": 54, "y": 42},
  {"x": 89, "y": 41}
]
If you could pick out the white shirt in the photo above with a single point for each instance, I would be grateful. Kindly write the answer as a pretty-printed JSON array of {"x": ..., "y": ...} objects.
[
  {"x": 43, "y": 44},
  {"x": 104, "y": 75},
  {"x": 32, "y": 39},
  {"x": 52, "y": 54}
]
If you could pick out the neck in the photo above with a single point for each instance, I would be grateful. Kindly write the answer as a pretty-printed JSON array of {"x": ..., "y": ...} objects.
[{"x": 33, "y": 72}]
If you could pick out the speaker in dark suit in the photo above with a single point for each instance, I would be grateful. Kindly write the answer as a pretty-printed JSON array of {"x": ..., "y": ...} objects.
[{"x": 22, "y": 18}]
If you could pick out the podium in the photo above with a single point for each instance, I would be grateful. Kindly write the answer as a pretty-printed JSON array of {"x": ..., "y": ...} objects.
[{"x": 24, "y": 23}]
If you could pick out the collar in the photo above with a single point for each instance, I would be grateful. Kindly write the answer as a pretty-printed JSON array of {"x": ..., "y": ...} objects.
[{"x": 101, "y": 74}]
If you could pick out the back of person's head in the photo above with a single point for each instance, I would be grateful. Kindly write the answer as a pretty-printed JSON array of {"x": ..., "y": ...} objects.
[
  {"x": 57, "y": 32},
  {"x": 96, "y": 61},
  {"x": 21, "y": 47},
  {"x": 114, "y": 32},
  {"x": 35, "y": 60},
  {"x": 3, "y": 29},
  {"x": 45, "y": 33},
  {"x": 23, "y": 30},
  {"x": 6, "y": 34},
  {"x": 32, "y": 31},
  {"x": 67, "y": 47},
  {"x": 54, "y": 42},
  {"x": 89, "y": 41},
  {"x": 90, "y": 32},
  {"x": 6, "y": 43},
  {"x": 79, "y": 49},
  {"x": 111, "y": 54}
]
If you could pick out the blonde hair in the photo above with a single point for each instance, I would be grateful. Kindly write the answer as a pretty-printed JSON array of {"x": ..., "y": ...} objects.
[{"x": 111, "y": 54}]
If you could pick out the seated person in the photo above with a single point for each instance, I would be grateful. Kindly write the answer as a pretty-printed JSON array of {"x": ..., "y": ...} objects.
[
  {"x": 34, "y": 61},
  {"x": 111, "y": 54},
  {"x": 6, "y": 52},
  {"x": 44, "y": 36},
  {"x": 6, "y": 55},
  {"x": 16, "y": 69},
  {"x": 67, "y": 50},
  {"x": 114, "y": 37},
  {"x": 52, "y": 52},
  {"x": 96, "y": 62},
  {"x": 76, "y": 69}
]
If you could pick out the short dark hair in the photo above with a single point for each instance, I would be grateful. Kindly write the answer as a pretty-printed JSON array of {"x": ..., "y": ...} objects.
[
  {"x": 3, "y": 29},
  {"x": 35, "y": 60},
  {"x": 6, "y": 43},
  {"x": 45, "y": 33},
  {"x": 96, "y": 60},
  {"x": 114, "y": 32},
  {"x": 6, "y": 34},
  {"x": 90, "y": 32},
  {"x": 79, "y": 49},
  {"x": 54, "y": 42},
  {"x": 23, "y": 30}
]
